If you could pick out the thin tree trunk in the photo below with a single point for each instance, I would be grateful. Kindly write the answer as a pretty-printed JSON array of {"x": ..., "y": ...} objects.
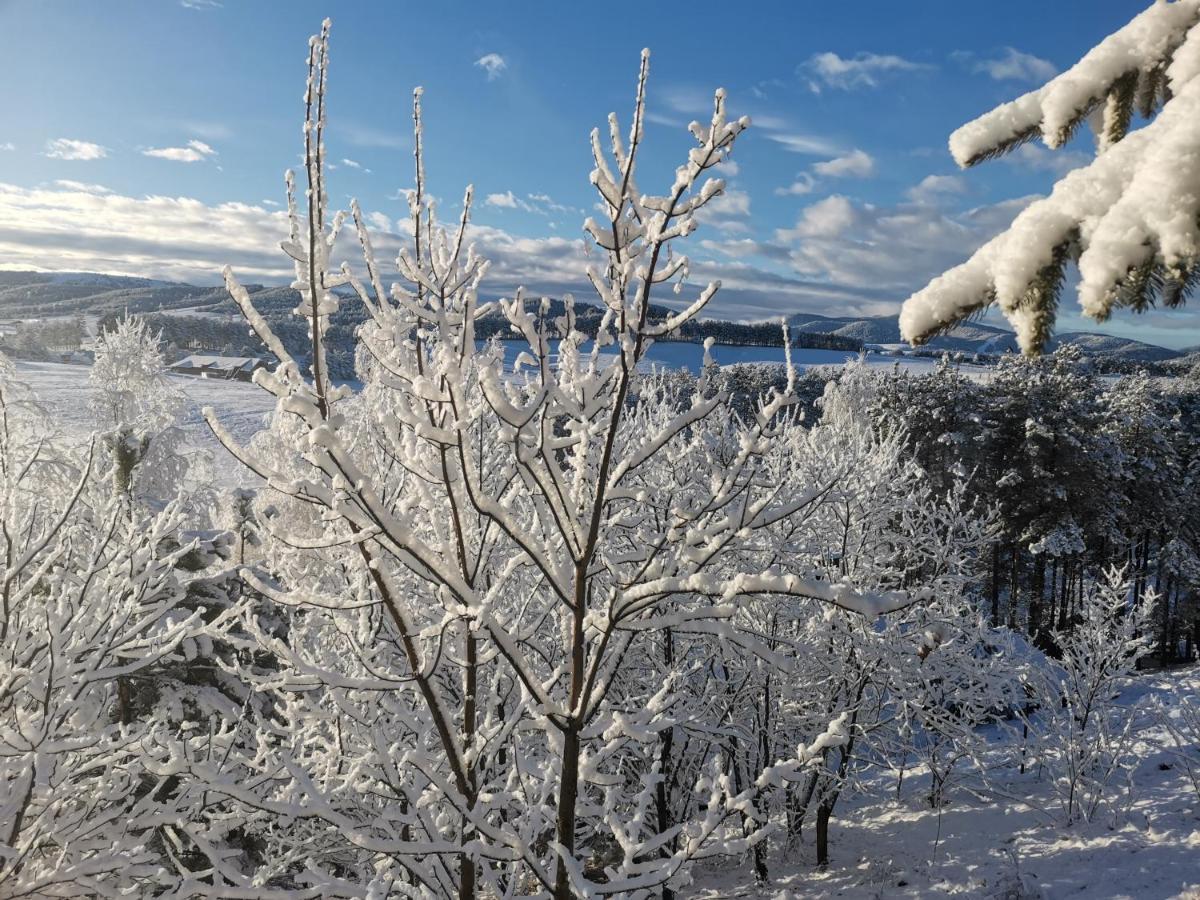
[
  {"x": 666, "y": 744},
  {"x": 995, "y": 583},
  {"x": 466, "y": 865},
  {"x": 568, "y": 788}
]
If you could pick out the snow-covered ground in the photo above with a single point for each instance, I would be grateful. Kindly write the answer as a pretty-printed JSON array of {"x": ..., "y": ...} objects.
[
  {"x": 64, "y": 392},
  {"x": 1007, "y": 846}
]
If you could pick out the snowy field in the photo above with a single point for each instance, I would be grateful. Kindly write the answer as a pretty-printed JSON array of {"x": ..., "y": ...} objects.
[
  {"x": 64, "y": 392},
  {"x": 1005, "y": 844}
]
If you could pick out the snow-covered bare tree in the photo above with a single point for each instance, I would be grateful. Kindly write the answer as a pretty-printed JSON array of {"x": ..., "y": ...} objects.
[
  {"x": 477, "y": 552},
  {"x": 1129, "y": 220}
]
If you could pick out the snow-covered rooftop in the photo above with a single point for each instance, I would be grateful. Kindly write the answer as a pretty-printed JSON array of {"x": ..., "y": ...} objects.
[{"x": 197, "y": 361}]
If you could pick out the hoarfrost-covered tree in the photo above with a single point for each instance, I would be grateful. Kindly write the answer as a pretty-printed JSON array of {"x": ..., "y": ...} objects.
[
  {"x": 91, "y": 601},
  {"x": 139, "y": 408},
  {"x": 1083, "y": 736},
  {"x": 1129, "y": 220},
  {"x": 475, "y": 554}
]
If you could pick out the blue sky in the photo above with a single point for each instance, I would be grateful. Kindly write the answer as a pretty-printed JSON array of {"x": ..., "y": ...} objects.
[{"x": 150, "y": 137}]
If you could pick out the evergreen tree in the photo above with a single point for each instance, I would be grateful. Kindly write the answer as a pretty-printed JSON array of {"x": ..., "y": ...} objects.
[{"x": 1128, "y": 220}]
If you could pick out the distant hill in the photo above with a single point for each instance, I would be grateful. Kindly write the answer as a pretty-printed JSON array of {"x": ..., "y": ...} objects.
[
  {"x": 40, "y": 295},
  {"x": 977, "y": 337}
]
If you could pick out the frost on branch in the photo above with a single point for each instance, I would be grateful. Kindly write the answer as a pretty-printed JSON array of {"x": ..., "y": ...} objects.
[
  {"x": 1128, "y": 220},
  {"x": 467, "y": 562}
]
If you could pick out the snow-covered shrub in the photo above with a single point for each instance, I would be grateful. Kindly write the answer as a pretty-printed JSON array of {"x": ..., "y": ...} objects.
[
  {"x": 1083, "y": 735},
  {"x": 1181, "y": 723},
  {"x": 91, "y": 603}
]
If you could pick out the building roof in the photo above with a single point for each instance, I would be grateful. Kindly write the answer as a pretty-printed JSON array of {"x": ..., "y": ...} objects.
[{"x": 220, "y": 363}]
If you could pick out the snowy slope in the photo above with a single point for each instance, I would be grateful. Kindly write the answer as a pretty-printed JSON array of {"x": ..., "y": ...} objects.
[
  {"x": 1002, "y": 845},
  {"x": 63, "y": 391}
]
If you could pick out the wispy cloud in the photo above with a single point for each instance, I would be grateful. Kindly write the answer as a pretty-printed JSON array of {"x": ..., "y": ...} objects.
[
  {"x": 1010, "y": 65},
  {"x": 855, "y": 164},
  {"x": 7, "y": 146},
  {"x": 354, "y": 164},
  {"x": 854, "y": 257},
  {"x": 492, "y": 63},
  {"x": 540, "y": 204},
  {"x": 861, "y": 70},
  {"x": 728, "y": 212},
  {"x": 194, "y": 151},
  {"x": 201, "y": 5},
  {"x": 208, "y": 131},
  {"x": 808, "y": 144},
  {"x": 69, "y": 148},
  {"x": 897, "y": 248},
  {"x": 81, "y": 187}
]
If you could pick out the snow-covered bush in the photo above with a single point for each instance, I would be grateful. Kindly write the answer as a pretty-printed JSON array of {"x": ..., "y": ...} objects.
[
  {"x": 1180, "y": 721},
  {"x": 91, "y": 603},
  {"x": 1083, "y": 736}
]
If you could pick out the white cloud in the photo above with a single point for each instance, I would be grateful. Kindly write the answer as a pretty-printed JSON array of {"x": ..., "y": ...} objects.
[
  {"x": 892, "y": 248},
  {"x": 854, "y": 258},
  {"x": 826, "y": 218},
  {"x": 728, "y": 212},
  {"x": 195, "y": 151},
  {"x": 201, "y": 5},
  {"x": 540, "y": 204},
  {"x": 82, "y": 187},
  {"x": 804, "y": 184},
  {"x": 7, "y": 146},
  {"x": 68, "y": 148},
  {"x": 507, "y": 200},
  {"x": 936, "y": 188},
  {"x": 861, "y": 70},
  {"x": 493, "y": 64},
  {"x": 353, "y": 164},
  {"x": 1013, "y": 65},
  {"x": 855, "y": 164}
]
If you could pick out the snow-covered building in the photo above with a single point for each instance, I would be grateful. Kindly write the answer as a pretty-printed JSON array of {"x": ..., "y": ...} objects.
[{"x": 231, "y": 368}]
